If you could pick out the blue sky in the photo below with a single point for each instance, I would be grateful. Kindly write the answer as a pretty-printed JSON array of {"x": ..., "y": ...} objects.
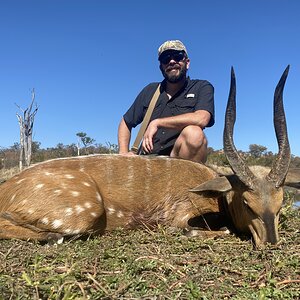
[{"x": 87, "y": 60}]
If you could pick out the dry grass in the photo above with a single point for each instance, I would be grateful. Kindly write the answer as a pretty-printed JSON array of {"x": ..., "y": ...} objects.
[{"x": 8, "y": 173}]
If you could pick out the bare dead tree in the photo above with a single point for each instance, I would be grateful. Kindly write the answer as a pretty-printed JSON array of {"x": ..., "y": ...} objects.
[{"x": 26, "y": 121}]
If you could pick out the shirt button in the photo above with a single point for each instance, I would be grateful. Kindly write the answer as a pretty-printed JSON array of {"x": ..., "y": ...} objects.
[
  {"x": 161, "y": 147},
  {"x": 163, "y": 132}
]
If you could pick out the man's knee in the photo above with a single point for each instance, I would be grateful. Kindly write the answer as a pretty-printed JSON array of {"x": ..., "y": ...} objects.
[
  {"x": 191, "y": 144},
  {"x": 194, "y": 137}
]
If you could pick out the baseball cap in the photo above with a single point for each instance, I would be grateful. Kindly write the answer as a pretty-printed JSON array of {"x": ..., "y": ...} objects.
[{"x": 171, "y": 45}]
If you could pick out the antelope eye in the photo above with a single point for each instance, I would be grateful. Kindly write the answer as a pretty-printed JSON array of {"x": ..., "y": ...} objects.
[{"x": 249, "y": 209}]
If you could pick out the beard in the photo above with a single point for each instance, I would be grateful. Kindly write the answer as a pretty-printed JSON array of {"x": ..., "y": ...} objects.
[{"x": 171, "y": 76}]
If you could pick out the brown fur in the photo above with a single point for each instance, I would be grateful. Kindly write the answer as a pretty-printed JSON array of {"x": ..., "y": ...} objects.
[
  {"x": 91, "y": 194},
  {"x": 97, "y": 193}
]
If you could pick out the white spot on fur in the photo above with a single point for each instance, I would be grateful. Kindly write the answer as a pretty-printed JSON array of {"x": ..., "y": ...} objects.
[
  {"x": 69, "y": 211},
  {"x": 57, "y": 223},
  {"x": 86, "y": 183},
  {"x": 75, "y": 193},
  {"x": 63, "y": 185},
  {"x": 81, "y": 169},
  {"x": 45, "y": 221},
  {"x": 24, "y": 202},
  {"x": 69, "y": 176},
  {"x": 79, "y": 209},
  {"x": 67, "y": 231},
  {"x": 13, "y": 197},
  {"x": 186, "y": 217},
  {"x": 98, "y": 196},
  {"x": 19, "y": 181},
  {"x": 48, "y": 173},
  {"x": 39, "y": 186},
  {"x": 93, "y": 214},
  {"x": 76, "y": 231},
  {"x": 120, "y": 214},
  {"x": 30, "y": 211},
  {"x": 111, "y": 210},
  {"x": 87, "y": 205},
  {"x": 58, "y": 192}
]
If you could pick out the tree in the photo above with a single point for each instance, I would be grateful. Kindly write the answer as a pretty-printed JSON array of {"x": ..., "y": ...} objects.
[
  {"x": 36, "y": 146},
  {"x": 15, "y": 147},
  {"x": 2, "y": 158},
  {"x": 257, "y": 150},
  {"x": 85, "y": 140},
  {"x": 26, "y": 129},
  {"x": 112, "y": 148}
]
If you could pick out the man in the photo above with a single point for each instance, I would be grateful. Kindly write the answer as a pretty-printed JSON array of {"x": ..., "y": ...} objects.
[{"x": 183, "y": 110}]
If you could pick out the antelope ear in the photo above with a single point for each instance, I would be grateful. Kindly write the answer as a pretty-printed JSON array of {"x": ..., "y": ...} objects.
[{"x": 219, "y": 184}]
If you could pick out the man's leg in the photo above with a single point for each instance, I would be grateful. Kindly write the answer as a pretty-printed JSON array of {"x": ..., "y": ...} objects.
[{"x": 191, "y": 144}]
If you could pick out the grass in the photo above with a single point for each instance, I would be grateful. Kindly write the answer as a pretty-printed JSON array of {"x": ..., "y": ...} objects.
[
  {"x": 8, "y": 173},
  {"x": 145, "y": 264}
]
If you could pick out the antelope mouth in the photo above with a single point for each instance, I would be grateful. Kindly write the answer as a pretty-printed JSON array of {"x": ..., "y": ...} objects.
[{"x": 258, "y": 243}]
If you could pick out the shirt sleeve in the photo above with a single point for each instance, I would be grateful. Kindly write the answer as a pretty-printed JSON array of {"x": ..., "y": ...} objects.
[
  {"x": 205, "y": 100},
  {"x": 135, "y": 114}
]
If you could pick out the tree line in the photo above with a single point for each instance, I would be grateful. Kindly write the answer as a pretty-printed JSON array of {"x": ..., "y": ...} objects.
[
  {"x": 256, "y": 155},
  {"x": 9, "y": 157}
]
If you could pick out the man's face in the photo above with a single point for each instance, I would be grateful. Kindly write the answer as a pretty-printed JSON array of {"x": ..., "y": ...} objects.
[{"x": 174, "y": 65}]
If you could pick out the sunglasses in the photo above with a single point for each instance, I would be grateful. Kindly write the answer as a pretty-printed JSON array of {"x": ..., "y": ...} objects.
[{"x": 177, "y": 56}]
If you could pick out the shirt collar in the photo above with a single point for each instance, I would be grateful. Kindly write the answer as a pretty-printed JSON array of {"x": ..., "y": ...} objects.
[{"x": 187, "y": 82}]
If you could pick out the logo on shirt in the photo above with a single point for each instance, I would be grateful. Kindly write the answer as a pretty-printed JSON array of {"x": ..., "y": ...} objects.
[{"x": 190, "y": 96}]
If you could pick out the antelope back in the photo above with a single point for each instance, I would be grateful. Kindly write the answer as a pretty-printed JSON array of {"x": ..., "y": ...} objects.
[{"x": 94, "y": 193}]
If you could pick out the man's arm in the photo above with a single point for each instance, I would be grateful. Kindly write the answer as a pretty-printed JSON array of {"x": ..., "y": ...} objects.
[
  {"x": 124, "y": 135},
  {"x": 199, "y": 118}
]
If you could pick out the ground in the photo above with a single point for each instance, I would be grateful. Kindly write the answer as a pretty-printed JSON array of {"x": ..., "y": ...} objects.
[{"x": 155, "y": 264}]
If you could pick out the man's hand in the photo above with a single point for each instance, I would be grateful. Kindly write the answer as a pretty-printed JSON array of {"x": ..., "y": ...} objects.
[
  {"x": 129, "y": 153},
  {"x": 198, "y": 118},
  {"x": 147, "y": 144}
]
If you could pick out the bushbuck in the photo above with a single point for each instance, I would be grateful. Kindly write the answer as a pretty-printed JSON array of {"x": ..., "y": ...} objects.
[
  {"x": 255, "y": 200},
  {"x": 91, "y": 194}
]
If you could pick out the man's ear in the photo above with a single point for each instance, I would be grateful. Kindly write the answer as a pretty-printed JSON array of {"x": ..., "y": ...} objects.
[
  {"x": 187, "y": 63},
  {"x": 160, "y": 67},
  {"x": 219, "y": 184}
]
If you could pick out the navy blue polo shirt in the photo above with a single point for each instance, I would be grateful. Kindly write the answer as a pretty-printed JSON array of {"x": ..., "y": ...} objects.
[{"x": 195, "y": 95}]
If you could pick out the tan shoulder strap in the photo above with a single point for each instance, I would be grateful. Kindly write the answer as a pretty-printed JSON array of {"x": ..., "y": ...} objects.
[{"x": 138, "y": 139}]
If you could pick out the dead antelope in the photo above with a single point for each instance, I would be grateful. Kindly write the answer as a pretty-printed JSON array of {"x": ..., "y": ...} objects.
[
  {"x": 255, "y": 202},
  {"x": 91, "y": 194}
]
